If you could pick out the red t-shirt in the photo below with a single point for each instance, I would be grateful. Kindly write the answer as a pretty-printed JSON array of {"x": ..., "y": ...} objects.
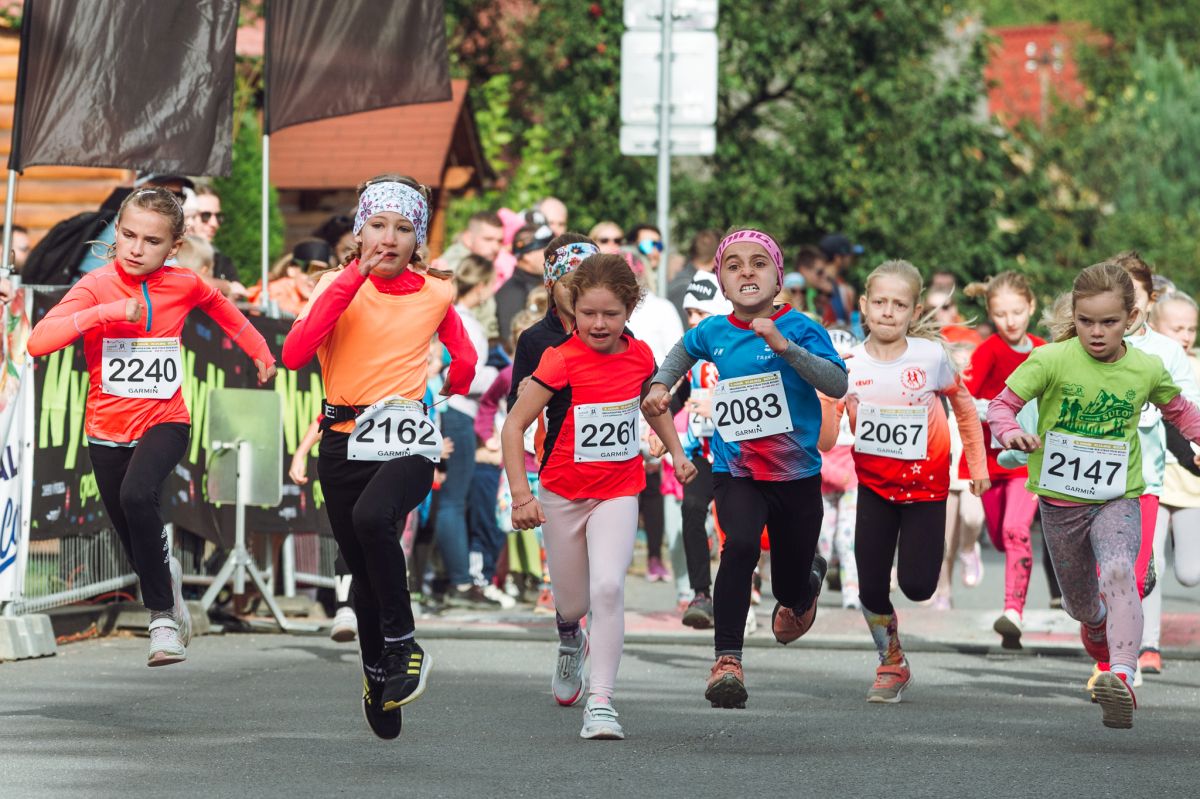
[
  {"x": 991, "y": 364},
  {"x": 583, "y": 377}
]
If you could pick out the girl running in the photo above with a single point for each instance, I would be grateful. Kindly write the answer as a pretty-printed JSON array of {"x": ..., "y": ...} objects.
[
  {"x": 130, "y": 313},
  {"x": 766, "y": 467},
  {"x": 591, "y": 476},
  {"x": 902, "y": 457},
  {"x": 1007, "y": 506},
  {"x": 1085, "y": 465},
  {"x": 370, "y": 324}
]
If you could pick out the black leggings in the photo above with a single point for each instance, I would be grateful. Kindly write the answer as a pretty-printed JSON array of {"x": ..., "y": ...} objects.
[
  {"x": 650, "y": 502},
  {"x": 791, "y": 511},
  {"x": 130, "y": 480},
  {"x": 366, "y": 502},
  {"x": 917, "y": 530},
  {"x": 697, "y": 496}
]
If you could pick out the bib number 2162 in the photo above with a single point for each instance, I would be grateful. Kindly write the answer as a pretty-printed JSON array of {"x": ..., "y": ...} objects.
[{"x": 394, "y": 428}]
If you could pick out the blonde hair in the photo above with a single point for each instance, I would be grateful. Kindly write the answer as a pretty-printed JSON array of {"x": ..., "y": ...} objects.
[
  {"x": 196, "y": 254},
  {"x": 1005, "y": 281},
  {"x": 1096, "y": 279},
  {"x": 1169, "y": 297},
  {"x": 522, "y": 321},
  {"x": 151, "y": 198},
  {"x": 472, "y": 271},
  {"x": 919, "y": 326}
]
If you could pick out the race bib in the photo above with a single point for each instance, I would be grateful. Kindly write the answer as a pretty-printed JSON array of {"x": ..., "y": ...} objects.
[
  {"x": 893, "y": 431},
  {"x": 699, "y": 425},
  {"x": 1087, "y": 468},
  {"x": 394, "y": 428},
  {"x": 607, "y": 431},
  {"x": 750, "y": 407},
  {"x": 147, "y": 368}
]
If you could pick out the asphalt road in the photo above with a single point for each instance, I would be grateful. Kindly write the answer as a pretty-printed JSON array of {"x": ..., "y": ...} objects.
[{"x": 272, "y": 715}]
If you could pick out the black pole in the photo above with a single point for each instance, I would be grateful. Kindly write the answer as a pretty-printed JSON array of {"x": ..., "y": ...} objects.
[
  {"x": 266, "y": 79},
  {"x": 14, "y": 154}
]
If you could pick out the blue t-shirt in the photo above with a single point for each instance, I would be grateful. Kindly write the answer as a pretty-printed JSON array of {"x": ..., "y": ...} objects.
[{"x": 737, "y": 351}]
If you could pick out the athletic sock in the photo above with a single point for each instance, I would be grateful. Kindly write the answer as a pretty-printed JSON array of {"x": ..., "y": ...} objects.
[
  {"x": 394, "y": 641},
  {"x": 568, "y": 631},
  {"x": 733, "y": 653},
  {"x": 1128, "y": 672},
  {"x": 886, "y": 637},
  {"x": 1099, "y": 624},
  {"x": 155, "y": 615}
]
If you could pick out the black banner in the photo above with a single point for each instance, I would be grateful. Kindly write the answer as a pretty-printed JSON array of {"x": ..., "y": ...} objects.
[
  {"x": 327, "y": 58},
  {"x": 135, "y": 84},
  {"x": 65, "y": 498}
]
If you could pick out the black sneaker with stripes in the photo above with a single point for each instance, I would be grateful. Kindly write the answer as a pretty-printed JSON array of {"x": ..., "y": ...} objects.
[
  {"x": 385, "y": 724},
  {"x": 406, "y": 668}
]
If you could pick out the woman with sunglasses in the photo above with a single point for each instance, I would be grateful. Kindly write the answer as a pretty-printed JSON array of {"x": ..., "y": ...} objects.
[{"x": 608, "y": 236}]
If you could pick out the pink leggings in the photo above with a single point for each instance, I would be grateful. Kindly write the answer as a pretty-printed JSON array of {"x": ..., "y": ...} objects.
[
  {"x": 1009, "y": 509},
  {"x": 589, "y": 546},
  {"x": 1104, "y": 538},
  {"x": 1149, "y": 503}
]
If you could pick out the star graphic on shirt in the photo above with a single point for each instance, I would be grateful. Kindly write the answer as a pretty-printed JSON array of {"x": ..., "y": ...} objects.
[{"x": 915, "y": 468}]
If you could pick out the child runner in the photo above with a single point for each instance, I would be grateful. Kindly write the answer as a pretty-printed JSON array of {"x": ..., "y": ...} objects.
[
  {"x": 1175, "y": 316},
  {"x": 130, "y": 313},
  {"x": 902, "y": 457},
  {"x": 590, "y": 478},
  {"x": 370, "y": 324},
  {"x": 702, "y": 299},
  {"x": 1007, "y": 506},
  {"x": 839, "y": 493},
  {"x": 1085, "y": 465},
  {"x": 766, "y": 467}
]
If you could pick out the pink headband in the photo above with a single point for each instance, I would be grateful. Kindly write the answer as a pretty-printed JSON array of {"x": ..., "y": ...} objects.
[{"x": 762, "y": 239}]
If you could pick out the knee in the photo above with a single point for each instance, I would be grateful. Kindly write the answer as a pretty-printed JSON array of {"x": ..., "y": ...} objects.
[
  {"x": 1117, "y": 574},
  {"x": 370, "y": 522},
  {"x": 918, "y": 589},
  {"x": 693, "y": 505},
  {"x": 137, "y": 497},
  {"x": 1188, "y": 574},
  {"x": 608, "y": 595}
]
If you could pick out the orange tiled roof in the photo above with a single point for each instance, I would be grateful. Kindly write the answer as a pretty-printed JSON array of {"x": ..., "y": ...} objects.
[{"x": 340, "y": 152}]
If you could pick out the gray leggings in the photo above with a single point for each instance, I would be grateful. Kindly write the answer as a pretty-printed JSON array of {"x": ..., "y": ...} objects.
[
  {"x": 1184, "y": 526},
  {"x": 1084, "y": 537}
]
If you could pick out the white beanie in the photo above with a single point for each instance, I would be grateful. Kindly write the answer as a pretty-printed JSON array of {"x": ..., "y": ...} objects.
[{"x": 704, "y": 294}]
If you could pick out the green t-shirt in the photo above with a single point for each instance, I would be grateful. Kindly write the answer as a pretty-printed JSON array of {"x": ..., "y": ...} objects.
[{"x": 1081, "y": 396}]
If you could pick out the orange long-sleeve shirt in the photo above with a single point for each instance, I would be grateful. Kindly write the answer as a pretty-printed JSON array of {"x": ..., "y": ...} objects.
[{"x": 94, "y": 308}]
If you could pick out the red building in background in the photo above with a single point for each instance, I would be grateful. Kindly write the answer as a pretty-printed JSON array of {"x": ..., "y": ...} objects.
[{"x": 1031, "y": 67}]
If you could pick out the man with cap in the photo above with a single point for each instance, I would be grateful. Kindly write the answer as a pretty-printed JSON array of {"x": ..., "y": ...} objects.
[
  {"x": 529, "y": 245},
  {"x": 839, "y": 254}
]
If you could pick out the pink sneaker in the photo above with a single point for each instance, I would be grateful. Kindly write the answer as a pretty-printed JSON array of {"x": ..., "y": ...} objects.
[
  {"x": 656, "y": 572},
  {"x": 972, "y": 566}
]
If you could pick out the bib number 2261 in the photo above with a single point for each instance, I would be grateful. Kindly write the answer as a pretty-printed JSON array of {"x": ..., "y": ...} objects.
[
  {"x": 394, "y": 428},
  {"x": 607, "y": 431}
]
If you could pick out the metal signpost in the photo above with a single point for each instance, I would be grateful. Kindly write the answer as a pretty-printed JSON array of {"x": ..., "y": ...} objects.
[{"x": 675, "y": 42}]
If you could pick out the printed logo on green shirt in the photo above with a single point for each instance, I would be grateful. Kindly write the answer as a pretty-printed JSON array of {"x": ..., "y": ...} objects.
[{"x": 1105, "y": 416}]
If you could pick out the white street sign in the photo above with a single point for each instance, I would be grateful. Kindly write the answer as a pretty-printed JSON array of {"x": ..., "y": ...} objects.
[
  {"x": 685, "y": 140},
  {"x": 693, "y": 78},
  {"x": 690, "y": 15}
]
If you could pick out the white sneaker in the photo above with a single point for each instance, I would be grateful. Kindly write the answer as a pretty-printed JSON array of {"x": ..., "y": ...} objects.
[
  {"x": 751, "y": 621},
  {"x": 493, "y": 593},
  {"x": 182, "y": 615},
  {"x": 600, "y": 721},
  {"x": 1008, "y": 626},
  {"x": 568, "y": 682},
  {"x": 165, "y": 648},
  {"x": 1137, "y": 678},
  {"x": 345, "y": 625}
]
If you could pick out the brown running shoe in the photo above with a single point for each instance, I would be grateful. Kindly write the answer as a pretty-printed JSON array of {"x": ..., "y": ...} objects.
[{"x": 726, "y": 683}]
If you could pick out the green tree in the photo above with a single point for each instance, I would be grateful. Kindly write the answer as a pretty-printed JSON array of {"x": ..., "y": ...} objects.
[{"x": 240, "y": 237}]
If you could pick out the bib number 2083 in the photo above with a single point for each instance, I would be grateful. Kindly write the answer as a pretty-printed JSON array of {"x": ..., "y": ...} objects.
[{"x": 751, "y": 407}]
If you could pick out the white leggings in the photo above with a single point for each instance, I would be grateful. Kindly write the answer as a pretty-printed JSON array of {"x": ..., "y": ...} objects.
[
  {"x": 589, "y": 546},
  {"x": 1184, "y": 525}
]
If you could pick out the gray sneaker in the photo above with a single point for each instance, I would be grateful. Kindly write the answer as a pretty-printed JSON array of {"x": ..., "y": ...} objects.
[
  {"x": 165, "y": 647},
  {"x": 182, "y": 615},
  {"x": 569, "y": 683},
  {"x": 600, "y": 721}
]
